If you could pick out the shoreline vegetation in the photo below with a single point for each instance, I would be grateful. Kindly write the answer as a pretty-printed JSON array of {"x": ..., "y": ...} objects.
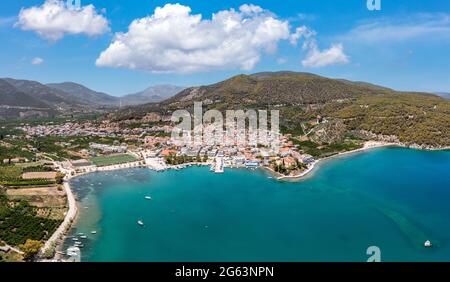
[
  {"x": 55, "y": 243},
  {"x": 57, "y": 239},
  {"x": 368, "y": 145}
]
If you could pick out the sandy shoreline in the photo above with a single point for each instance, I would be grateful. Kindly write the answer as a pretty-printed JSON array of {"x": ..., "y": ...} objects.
[
  {"x": 72, "y": 213},
  {"x": 367, "y": 146},
  {"x": 56, "y": 239}
]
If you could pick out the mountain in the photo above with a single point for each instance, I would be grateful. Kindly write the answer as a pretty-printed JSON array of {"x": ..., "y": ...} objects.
[
  {"x": 152, "y": 94},
  {"x": 84, "y": 94},
  {"x": 443, "y": 94},
  {"x": 358, "y": 107},
  {"x": 15, "y": 103},
  {"x": 26, "y": 98},
  {"x": 42, "y": 92},
  {"x": 11, "y": 96}
]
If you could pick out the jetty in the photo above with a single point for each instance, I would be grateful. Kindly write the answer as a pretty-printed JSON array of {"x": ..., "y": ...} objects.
[{"x": 219, "y": 165}]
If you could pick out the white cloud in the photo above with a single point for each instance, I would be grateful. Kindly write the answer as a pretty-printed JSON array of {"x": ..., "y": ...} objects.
[
  {"x": 388, "y": 30},
  {"x": 301, "y": 32},
  {"x": 333, "y": 56},
  {"x": 174, "y": 40},
  {"x": 314, "y": 57},
  {"x": 52, "y": 20},
  {"x": 37, "y": 61}
]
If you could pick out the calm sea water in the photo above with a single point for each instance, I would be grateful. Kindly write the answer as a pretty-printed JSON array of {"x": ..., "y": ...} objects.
[{"x": 391, "y": 198}]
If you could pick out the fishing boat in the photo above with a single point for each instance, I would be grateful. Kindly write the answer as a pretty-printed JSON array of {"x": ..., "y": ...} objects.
[
  {"x": 428, "y": 244},
  {"x": 83, "y": 237},
  {"x": 93, "y": 232},
  {"x": 140, "y": 222},
  {"x": 148, "y": 197}
]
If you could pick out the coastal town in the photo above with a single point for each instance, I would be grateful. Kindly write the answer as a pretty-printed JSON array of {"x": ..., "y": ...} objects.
[
  {"x": 80, "y": 147},
  {"x": 48, "y": 155},
  {"x": 152, "y": 146}
]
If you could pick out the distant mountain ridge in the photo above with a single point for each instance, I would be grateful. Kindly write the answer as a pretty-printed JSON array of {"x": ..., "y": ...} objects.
[
  {"x": 445, "y": 95},
  {"x": 84, "y": 94},
  {"x": 152, "y": 94},
  {"x": 26, "y": 98}
]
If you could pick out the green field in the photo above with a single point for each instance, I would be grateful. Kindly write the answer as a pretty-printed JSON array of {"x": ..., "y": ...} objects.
[{"x": 113, "y": 160}]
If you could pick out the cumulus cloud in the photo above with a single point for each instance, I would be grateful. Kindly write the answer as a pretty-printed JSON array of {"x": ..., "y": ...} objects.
[
  {"x": 314, "y": 56},
  {"x": 333, "y": 56},
  {"x": 53, "y": 19},
  {"x": 37, "y": 61},
  {"x": 173, "y": 39}
]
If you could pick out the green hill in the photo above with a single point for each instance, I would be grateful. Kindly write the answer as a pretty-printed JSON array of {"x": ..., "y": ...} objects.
[{"x": 356, "y": 107}]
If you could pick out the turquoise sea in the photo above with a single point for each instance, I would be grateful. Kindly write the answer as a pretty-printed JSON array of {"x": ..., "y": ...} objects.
[{"x": 392, "y": 198}]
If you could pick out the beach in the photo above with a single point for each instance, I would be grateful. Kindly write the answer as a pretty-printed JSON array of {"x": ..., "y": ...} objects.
[
  {"x": 70, "y": 216},
  {"x": 241, "y": 215},
  {"x": 367, "y": 146},
  {"x": 72, "y": 212}
]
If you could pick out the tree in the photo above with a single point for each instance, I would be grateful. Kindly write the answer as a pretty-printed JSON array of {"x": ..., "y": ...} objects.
[
  {"x": 31, "y": 248},
  {"x": 59, "y": 178}
]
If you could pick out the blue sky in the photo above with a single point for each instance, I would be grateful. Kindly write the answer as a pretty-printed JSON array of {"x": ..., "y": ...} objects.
[{"x": 404, "y": 45}]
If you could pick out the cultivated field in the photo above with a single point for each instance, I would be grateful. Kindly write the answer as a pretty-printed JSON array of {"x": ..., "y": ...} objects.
[
  {"x": 39, "y": 175},
  {"x": 113, "y": 159}
]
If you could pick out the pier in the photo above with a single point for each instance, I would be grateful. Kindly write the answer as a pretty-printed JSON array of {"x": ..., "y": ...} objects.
[{"x": 219, "y": 165}]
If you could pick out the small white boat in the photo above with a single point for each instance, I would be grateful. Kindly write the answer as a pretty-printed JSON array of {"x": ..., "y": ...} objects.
[
  {"x": 428, "y": 244},
  {"x": 140, "y": 222},
  {"x": 148, "y": 197},
  {"x": 73, "y": 251},
  {"x": 83, "y": 237},
  {"x": 93, "y": 232}
]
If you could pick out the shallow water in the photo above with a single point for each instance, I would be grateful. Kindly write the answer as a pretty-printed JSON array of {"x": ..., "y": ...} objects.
[{"x": 392, "y": 198}]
